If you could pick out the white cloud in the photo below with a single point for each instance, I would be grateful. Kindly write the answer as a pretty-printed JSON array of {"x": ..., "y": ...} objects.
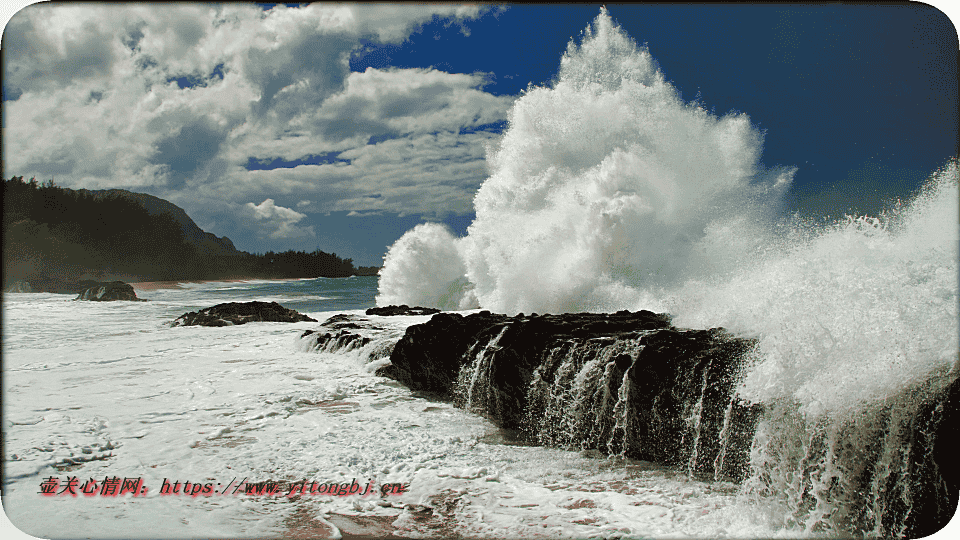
[
  {"x": 405, "y": 101},
  {"x": 100, "y": 106},
  {"x": 278, "y": 222}
]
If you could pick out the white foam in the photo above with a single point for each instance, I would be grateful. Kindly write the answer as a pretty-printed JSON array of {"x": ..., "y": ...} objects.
[
  {"x": 105, "y": 390},
  {"x": 605, "y": 186}
]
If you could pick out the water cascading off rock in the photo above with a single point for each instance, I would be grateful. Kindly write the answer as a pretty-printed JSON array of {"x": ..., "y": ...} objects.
[
  {"x": 624, "y": 383},
  {"x": 630, "y": 384}
]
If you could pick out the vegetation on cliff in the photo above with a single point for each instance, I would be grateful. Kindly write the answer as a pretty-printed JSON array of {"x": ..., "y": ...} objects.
[{"x": 54, "y": 232}]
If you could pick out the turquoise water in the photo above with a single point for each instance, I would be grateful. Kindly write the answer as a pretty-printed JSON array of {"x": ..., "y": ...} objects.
[{"x": 303, "y": 295}]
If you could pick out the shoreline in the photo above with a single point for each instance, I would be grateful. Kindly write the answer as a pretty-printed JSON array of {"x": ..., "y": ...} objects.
[
  {"x": 59, "y": 285},
  {"x": 178, "y": 284}
]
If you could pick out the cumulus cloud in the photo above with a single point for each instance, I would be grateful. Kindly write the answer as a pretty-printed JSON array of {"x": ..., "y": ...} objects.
[
  {"x": 404, "y": 101},
  {"x": 278, "y": 222},
  {"x": 178, "y": 99}
]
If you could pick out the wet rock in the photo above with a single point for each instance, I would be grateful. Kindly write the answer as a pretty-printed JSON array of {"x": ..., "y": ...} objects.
[
  {"x": 114, "y": 290},
  {"x": 622, "y": 383},
  {"x": 401, "y": 310},
  {"x": 233, "y": 313},
  {"x": 632, "y": 385},
  {"x": 347, "y": 332},
  {"x": 430, "y": 355}
]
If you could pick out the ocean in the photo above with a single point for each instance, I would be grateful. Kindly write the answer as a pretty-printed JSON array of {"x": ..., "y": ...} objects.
[
  {"x": 94, "y": 391},
  {"x": 606, "y": 192}
]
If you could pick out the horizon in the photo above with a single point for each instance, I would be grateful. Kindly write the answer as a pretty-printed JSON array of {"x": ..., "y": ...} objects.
[{"x": 340, "y": 128}]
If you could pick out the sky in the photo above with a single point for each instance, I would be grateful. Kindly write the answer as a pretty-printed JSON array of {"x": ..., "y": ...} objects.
[{"x": 340, "y": 127}]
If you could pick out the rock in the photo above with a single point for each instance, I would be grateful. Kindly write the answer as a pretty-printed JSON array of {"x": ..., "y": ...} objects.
[
  {"x": 632, "y": 385},
  {"x": 940, "y": 485},
  {"x": 402, "y": 310},
  {"x": 679, "y": 375},
  {"x": 233, "y": 313},
  {"x": 430, "y": 355},
  {"x": 347, "y": 332},
  {"x": 559, "y": 380},
  {"x": 114, "y": 290},
  {"x": 19, "y": 286}
]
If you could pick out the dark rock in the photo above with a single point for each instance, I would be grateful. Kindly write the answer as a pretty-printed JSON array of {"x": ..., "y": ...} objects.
[
  {"x": 233, "y": 313},
  {"x": 430, "y": 355},
  {"x": 934, "y": 428},
  {"x": 632, "y": 385},
  {"x": 907, "y": 470},
  {"x": 558, "y": 379},
  {"x": 401, "y": 310},
  {"x": 114, "y": 290},
  {"x": 679, "y": 375},
  {"x": 347, "y": 332},
  {"x": 344, "y": 320}
]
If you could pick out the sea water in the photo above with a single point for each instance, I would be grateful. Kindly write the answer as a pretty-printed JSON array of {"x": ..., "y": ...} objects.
[
  {"x": 94, "y": 391},
  {"x": 608, "y": 191}
]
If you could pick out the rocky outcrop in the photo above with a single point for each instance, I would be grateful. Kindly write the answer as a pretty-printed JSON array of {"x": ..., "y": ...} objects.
[
  {"x": 631, "y": 384},
  {"x": 624, "y": 383},
  {"x": 939, "y": 475},
  {"x": 431, "y": 355},
  {"x": 233, "y": 313},
  {"x": 402, "y": 310},
  {"x": 114, "y": 290}
]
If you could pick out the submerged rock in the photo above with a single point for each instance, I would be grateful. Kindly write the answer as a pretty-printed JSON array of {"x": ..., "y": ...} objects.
[
  {"x": 232, "y": 313},
  {"x": 114, "y": 290},
  {"x": 402, "y": 310}
]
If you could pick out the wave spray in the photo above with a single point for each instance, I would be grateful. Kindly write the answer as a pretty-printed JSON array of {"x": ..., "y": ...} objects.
[
  {"x": 608, "y": 192},
  {"x": 604, "y": 185}
]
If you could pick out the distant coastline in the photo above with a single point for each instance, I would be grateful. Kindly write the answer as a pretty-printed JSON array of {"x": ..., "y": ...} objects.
[{"x": 55, "y": 235}]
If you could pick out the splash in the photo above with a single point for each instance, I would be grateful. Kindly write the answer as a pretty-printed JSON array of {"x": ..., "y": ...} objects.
[
  {"x": 851, "y": 314},
  {"x": 424, "y": 268},
  {"x": 605, "y": 188},
  {"x": 857, "y": 332},
  {"x": 609, "y": 192}
]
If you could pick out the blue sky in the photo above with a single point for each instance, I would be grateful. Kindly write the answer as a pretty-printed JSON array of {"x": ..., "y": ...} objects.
[{"x": 342, "y": 127}]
